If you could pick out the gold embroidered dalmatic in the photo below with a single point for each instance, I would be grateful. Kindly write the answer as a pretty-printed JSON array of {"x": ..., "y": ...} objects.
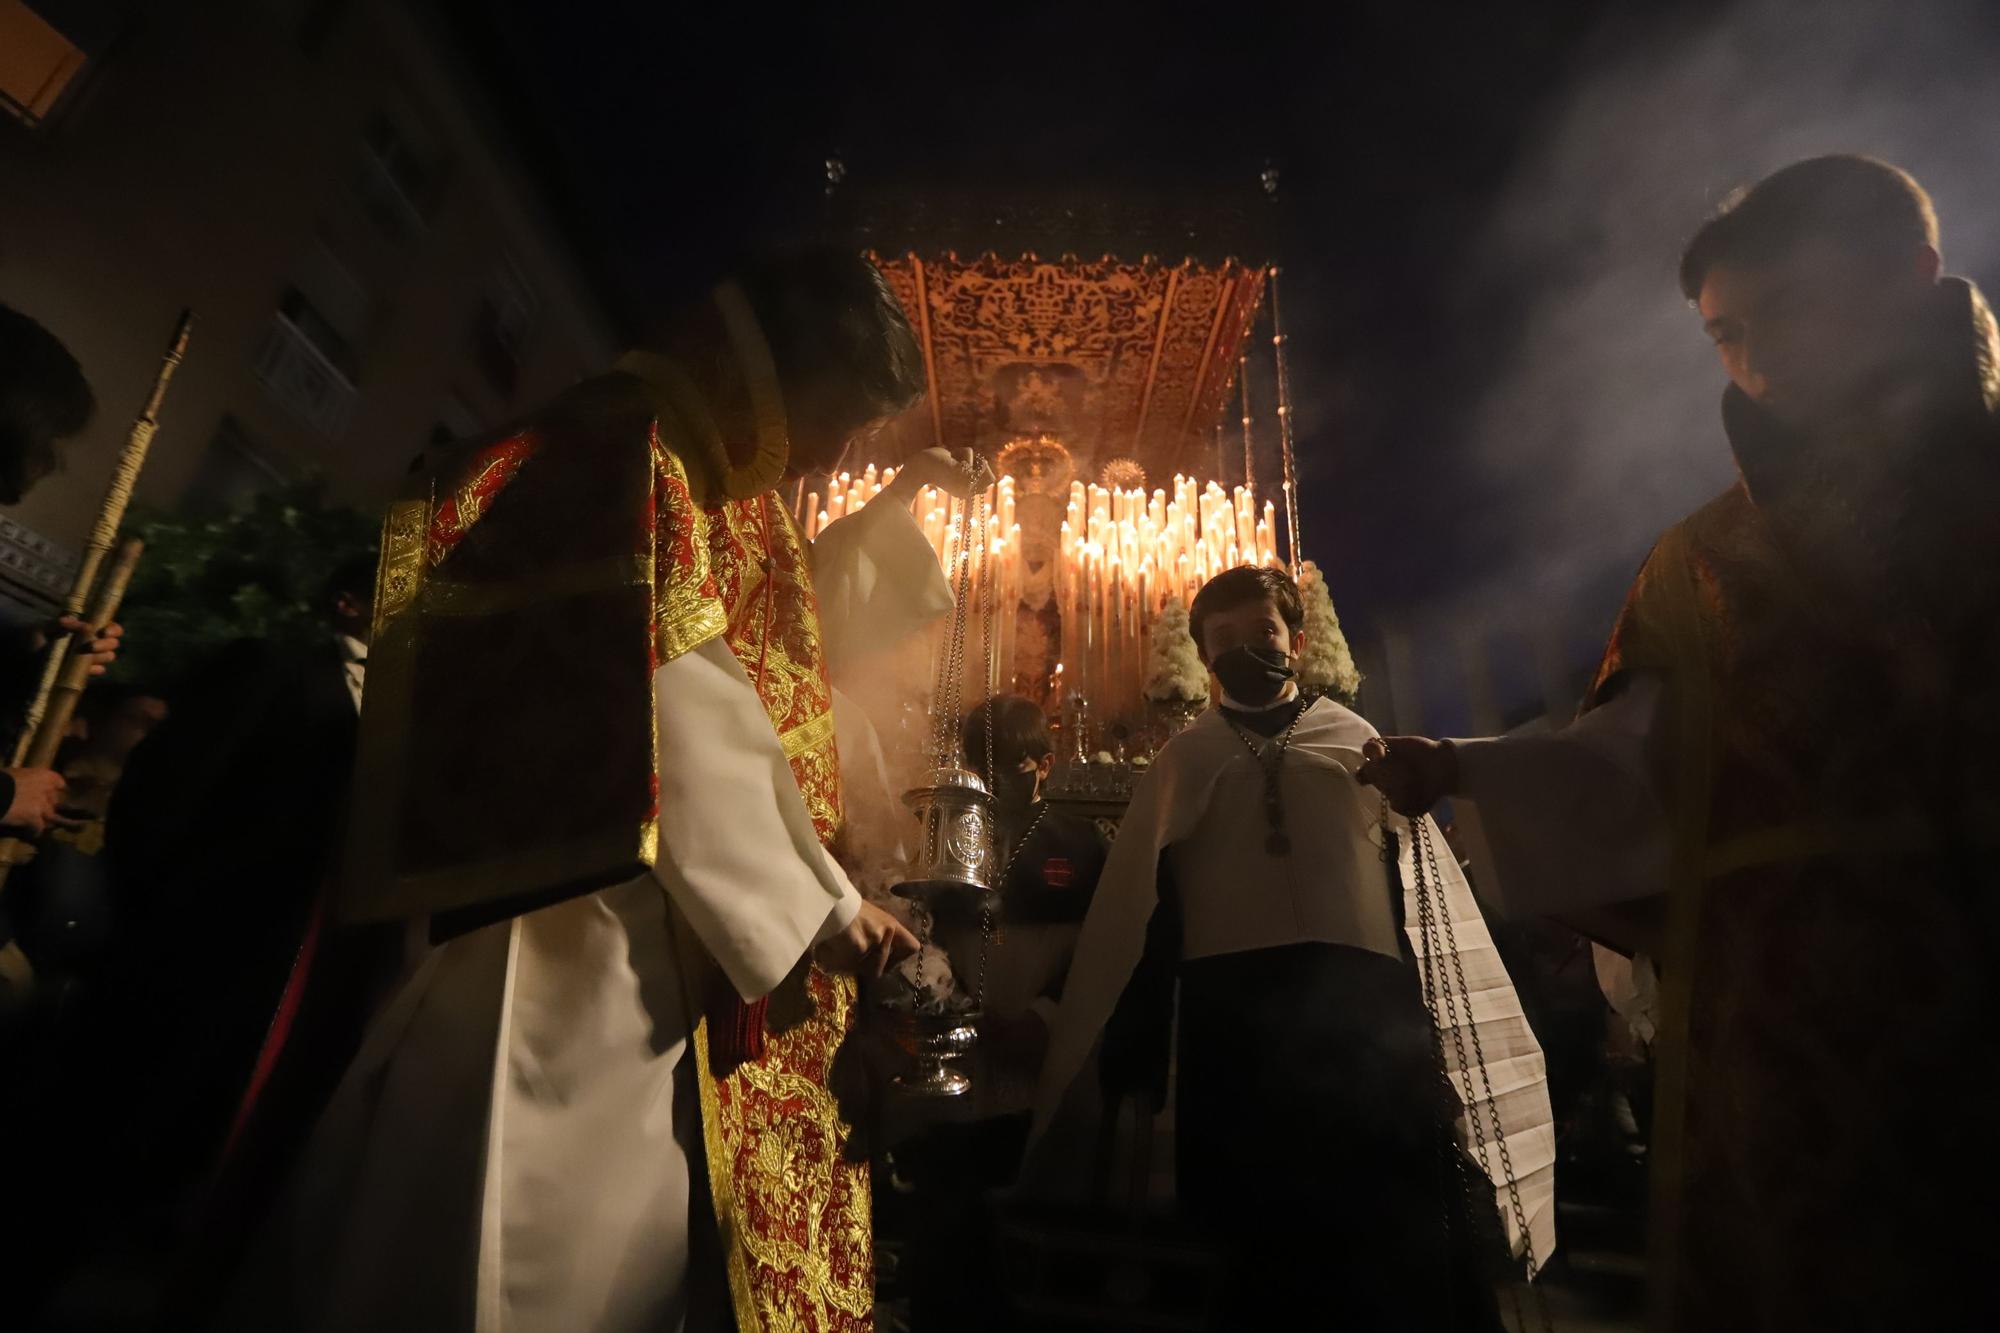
[{"x": 529, "y": 590}]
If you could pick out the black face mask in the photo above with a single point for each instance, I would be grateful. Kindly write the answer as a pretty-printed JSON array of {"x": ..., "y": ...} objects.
[
  {"x": 1015, "y": 790},
  {"x": 1253, "y": 676}
]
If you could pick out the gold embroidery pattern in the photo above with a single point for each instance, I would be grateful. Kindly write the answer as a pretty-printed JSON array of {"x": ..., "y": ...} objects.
[
  {"x": 758, "y": 560},
  {"x": 689, "y": 610},
  {"x": 1137, "y": 355},
  {"x": 811, "y": 735},
  {"x": 794, "y": 1207},
  {"x": 401, "y": 574},
  {"x": 487, "y": 473}
]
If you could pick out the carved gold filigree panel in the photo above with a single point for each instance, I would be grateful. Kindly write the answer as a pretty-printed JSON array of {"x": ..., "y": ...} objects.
[{"x": 1113, "y": 357}]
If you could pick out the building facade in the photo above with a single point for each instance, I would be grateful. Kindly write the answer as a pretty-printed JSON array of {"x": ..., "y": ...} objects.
[{"x": 370, "y": 269}]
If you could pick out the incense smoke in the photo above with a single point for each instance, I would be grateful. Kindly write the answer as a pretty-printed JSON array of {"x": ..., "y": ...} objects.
[{"x": 1601, "y": 423}]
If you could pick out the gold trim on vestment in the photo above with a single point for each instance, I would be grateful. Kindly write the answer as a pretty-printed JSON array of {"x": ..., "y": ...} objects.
[
  {"x": 368, "y": 869},
  {"x": 721, "y": 1186},
  {"x": 688, "y": 612},
  {"x": 807, "y": 735},
  {"x": 399, "y": 576},
  {"x": 686, "y": 628}
]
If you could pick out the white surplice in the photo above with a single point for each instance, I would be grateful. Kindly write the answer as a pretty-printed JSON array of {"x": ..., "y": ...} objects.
[
  {"x": 1572, "y": 818},
  {"x": 513, "y": 1149},
  {"x": 1325, "y": 891}
]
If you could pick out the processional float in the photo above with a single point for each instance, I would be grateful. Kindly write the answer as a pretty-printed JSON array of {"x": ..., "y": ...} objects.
[{"x": 1100, "y": 390}]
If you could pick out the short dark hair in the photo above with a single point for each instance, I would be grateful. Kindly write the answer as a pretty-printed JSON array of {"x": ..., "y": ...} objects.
[
  {"x": 43, "y": 396},
  {"x": 831, "y": 318},
  {"x": 1235, "y": 587},
  {"x": 1864, "y": 204},
  {"x": 1020, "y": 731}
]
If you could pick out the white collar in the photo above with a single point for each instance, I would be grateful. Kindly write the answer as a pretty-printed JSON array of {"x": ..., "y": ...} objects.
[
  {"x": 1285, "y": 696},
  {"x": 352, "y": 649}
]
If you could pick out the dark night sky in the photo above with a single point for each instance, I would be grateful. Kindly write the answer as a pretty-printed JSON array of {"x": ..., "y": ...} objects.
[{"x": 1413, "y": 141}]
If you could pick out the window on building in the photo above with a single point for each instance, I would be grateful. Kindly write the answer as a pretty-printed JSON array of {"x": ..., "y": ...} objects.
[
  {"x": 400, "y": 178},
  {"x": 234, "y": 471},
  {"x": 317, "y": 329},
  {"x": 35, "y": 572},
  {"x": 310, "y": 358},
  {"x": 38, "y": 63},
  {"x": 506, "y": 324}
]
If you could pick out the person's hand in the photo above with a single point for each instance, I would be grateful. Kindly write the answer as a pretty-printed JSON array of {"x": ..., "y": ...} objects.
[
  {"x": 37, "y": 792},
  {"x": 957, "y": 472},
  {"x": 1413, "y": 772},
  {"x": 873, "y": 943},
  {"x": 100, "y": 648}
]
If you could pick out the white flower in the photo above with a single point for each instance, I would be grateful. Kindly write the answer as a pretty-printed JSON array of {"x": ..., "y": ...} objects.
[
  {"x": 1174, "y": 672},
  {"x": 1327, "y": 664}
]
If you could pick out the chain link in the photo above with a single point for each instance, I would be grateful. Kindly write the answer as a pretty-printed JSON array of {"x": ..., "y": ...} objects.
[
  {"x": 946, "y": 693},
  {"x": 1479, "y": 1057},
  {"x": 986, "y": 912},
  {"x": 1450, "y": 1160},
  {"x": 1274, "y": 801},
  {"x": 1436, "y": 1001},
  {"x": 986, "y": 623}
]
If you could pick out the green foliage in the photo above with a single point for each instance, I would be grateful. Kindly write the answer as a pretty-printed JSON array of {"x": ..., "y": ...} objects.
[{"x": 258, "y": 572}]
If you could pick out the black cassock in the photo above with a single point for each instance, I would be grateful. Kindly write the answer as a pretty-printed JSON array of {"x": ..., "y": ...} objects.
[{"x": 1313, "y": 1134}]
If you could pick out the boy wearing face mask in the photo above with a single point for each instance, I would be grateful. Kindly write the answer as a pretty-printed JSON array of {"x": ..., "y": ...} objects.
[{"x": 1312, "y": 1130}]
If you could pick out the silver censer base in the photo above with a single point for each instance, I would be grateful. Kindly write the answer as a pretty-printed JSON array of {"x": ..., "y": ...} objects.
[
  {"x": 955, "y": 856},
  {"x": 933, "y": 1042}
]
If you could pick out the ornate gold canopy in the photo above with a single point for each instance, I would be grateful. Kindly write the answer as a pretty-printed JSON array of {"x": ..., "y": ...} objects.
[{"x": 1117, "y": 359}]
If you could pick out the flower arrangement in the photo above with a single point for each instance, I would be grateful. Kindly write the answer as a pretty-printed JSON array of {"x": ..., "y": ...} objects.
[
  {"x": 1174, "y": 672},
  {"x": 1327, "y": 665}
]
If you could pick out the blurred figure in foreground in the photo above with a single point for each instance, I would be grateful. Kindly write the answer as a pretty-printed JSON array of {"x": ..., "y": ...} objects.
[{"x": 1783, "y": 785}]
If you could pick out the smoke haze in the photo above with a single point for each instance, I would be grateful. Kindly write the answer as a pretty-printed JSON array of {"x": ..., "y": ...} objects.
[{"x": 1601, "y": 423}]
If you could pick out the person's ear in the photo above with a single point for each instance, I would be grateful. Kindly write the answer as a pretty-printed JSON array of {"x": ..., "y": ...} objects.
[
  {"x": 1299, "y": 643},
  {"x": 1043, "y": 769}
]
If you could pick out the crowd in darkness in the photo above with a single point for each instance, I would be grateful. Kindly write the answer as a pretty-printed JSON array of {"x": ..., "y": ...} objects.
[{"x": 146, "y": 945}]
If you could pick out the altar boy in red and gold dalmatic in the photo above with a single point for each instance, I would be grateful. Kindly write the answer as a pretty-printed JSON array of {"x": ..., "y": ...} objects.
[{"x": 598, "y": 753}]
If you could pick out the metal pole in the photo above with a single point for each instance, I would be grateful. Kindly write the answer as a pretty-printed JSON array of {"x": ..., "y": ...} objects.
[{"x": 1293, "y": 544}]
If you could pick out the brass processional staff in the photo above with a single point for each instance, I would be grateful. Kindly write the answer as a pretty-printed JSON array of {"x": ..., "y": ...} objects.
[{"x": 94, "y": 597}]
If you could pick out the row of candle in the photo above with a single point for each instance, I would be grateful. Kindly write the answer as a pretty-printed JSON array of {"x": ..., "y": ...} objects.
[
  {"x": 1121, "y": 554},
  {"x": 1128, "y": 553}
]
